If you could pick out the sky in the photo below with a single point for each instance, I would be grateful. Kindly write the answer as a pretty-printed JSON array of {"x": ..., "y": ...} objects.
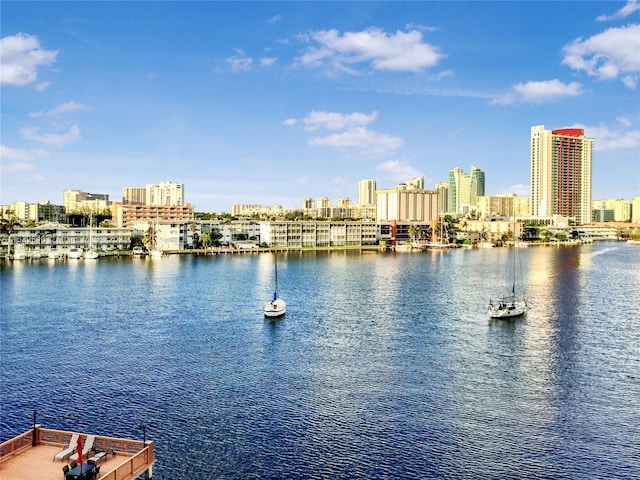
[{"x": 270, "y": 103}]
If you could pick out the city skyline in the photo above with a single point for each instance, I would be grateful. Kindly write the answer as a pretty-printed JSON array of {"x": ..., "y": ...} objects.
[{"x": 283, "y": 101}]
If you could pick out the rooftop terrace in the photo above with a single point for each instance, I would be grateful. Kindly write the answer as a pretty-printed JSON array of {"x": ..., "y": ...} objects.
[{"x": 31, "y": 455}]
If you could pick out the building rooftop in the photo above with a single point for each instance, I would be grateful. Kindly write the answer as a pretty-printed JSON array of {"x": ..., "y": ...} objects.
[{"x": 32, "y": 455}]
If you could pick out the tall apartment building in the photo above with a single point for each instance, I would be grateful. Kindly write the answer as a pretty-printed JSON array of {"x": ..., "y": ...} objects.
[
  {"x": 416, "y": 183},
  {"x": 464, "y": 189},
  {"x": 134, "y": 196},
  {"x": 635, "y": 210},
  {"x": 165, "y": 193},
  {"x": 367, "y": 192},
  {"x": 443, "y": 196},
  {"x": 36, "y": 212},
  {"x": 505, "y": 205},
  {"x": 398, "y": 204},
  {"x": 75, "y": 200},
  {"x": 561, "y": 173},
  {"x": 612, "y": 210}
]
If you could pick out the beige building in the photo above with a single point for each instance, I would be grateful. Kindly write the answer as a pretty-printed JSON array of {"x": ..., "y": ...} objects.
[
  {"x": 635, "y": 210},
  {"x": 134, "y": 196},
  {"x": 35, "y": 212},
  {"x": 79, "y": 201},
  {"x": 406, "y": 205},
  {"x": 612, "y": 210},
  {"x": 366, "y": 192},
  {"x": 505, "y": 205}
]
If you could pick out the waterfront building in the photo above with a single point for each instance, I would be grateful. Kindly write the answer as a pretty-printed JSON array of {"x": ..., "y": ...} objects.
[
  {"x": 635, "y": 210},
  {"x": 314, "y": 234},
  {"x": 134, "y": 196},
  {"x": 79, "y": 201},
  {"x": 406, "y": 205},
  {"x": 61, "y": 237},
  {"x": 612, "y": 210},
  {"x": 464, "y": 190},
  {"x": 561, "y": 176},
  {"x": 127, "y": 215},
  {"x": 366, "y": 192},
  {"x": 165, "y": 193}
]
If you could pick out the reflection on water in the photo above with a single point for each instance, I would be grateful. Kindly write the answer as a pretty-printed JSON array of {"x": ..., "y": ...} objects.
[{"x": 385, "y": 366}]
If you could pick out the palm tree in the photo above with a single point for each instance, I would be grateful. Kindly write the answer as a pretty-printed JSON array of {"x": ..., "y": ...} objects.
[
  {"x": 9, "y": 226},
  {"x": 149, "y": 239},
  {"x": 413, "y": 232},
  {"x": 205, "y": 239}
]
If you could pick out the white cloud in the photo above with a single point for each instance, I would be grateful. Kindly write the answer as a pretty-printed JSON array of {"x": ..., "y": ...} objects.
[
  {"x": 239, "y": 63},
  {"x": 402, "y": 51},
  {"x": 14, "y": 154},
  {"x": 52, "y": 139},
  {"x": 275, "y": 19},
  {"x": 539, "y": 92},
  {"x": 360, "y": 138},
  {"x": 62, "y": 108},
  {"x": 337, "y": 121},
  {"x": 267, "y": 61},
  {"x": 520, "y": 189},
  {"x": 20, "y": 58},
  {"x": 18, "y": 167},
  {"x": 608, "y": 55},
  {"x": 606, "y": 139},
  {"x": 397, "y": 170},
  {"x": 631, "y": 7},
  {"x": 290, "y": 121}
]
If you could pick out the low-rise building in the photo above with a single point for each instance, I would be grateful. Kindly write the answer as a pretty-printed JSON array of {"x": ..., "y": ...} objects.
[{"x": 62, "y": 237}]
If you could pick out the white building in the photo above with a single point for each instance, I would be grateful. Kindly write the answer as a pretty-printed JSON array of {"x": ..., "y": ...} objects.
[{"x": 165, "y": 193}]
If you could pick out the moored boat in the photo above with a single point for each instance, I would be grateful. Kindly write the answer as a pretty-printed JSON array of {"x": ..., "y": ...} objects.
[
  {"x": 277, "y": 307},
  {"x": 75, "y": 253}
]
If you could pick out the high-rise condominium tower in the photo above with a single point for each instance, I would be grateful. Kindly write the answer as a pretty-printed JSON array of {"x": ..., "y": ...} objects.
[
  {"x": 464, "y": 189},
  {"x": 367, "y": 192},
  {"x": 165, "y": 193},
  {"x": 561, "y": 173}
]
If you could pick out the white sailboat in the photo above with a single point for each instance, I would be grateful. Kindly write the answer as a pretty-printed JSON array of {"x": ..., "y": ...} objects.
[
  {"x": 509, "y": 305},
  {"x": 91, "y": 253},
  {"x": 277, "y": 307}
]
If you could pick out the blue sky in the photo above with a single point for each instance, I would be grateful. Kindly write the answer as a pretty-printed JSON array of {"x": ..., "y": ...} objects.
[{"x": 272, "y": 102}]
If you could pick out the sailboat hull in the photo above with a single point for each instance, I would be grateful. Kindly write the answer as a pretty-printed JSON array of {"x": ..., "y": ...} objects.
[
  {"x": 507, "y": 307},
  {"x": 275, "y": 308}
]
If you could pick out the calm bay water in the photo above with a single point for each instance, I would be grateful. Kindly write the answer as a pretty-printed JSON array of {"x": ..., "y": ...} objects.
[{"x": 385, "y": 366}]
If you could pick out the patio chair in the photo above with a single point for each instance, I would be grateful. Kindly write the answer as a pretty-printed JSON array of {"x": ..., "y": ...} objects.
[
  {"x": 68, "y": 450},
  {"x": 86, "y": 448}
]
